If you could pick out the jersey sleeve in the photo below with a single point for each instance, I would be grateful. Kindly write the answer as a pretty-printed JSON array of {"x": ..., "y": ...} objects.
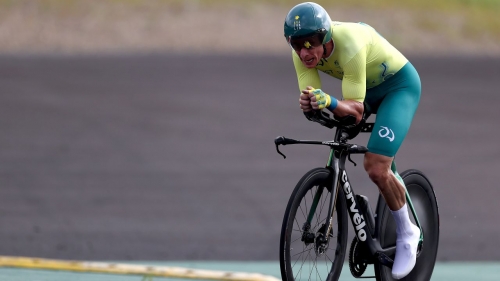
[
  {"x": 306, "y": 76},
  {"x": 354, "y": 80}
]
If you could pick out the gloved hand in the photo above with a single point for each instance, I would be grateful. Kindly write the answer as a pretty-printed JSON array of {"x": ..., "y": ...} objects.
[{"x": 319, "y": 99}]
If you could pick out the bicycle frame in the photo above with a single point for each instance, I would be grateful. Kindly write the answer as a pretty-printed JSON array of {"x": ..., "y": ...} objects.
[
  {"x": 340, "y": 151},
  {"x": 363, "y": 230}
]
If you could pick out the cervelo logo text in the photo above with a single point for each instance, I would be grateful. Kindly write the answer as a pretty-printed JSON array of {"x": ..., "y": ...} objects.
[
  {"x": 386, "y": 133},
  {"x": 357, "y": 219}
]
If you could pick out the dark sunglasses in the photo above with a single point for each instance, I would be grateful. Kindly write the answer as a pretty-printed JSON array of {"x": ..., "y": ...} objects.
[{"x": 306, "y": 42}]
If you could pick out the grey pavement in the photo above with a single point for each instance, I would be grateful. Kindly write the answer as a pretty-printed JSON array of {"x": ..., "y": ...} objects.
[{"x": 163, "y": 157}]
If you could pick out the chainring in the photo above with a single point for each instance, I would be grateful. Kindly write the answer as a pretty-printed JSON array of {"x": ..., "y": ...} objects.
[{"x": 357, "y": 268}]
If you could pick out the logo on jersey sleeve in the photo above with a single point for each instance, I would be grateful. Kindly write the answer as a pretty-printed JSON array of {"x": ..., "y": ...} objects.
[{"x": 386, "y": 133}]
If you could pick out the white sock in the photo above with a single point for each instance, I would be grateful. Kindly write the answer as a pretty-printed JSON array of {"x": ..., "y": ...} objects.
[{"x": 408, "y": 236}]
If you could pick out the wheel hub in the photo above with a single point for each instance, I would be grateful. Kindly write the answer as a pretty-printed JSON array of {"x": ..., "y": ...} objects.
[{"x": 321, "y": 242}]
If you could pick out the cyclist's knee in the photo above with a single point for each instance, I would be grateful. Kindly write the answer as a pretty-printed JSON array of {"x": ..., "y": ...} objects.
[{"x": 378, "y": 167}]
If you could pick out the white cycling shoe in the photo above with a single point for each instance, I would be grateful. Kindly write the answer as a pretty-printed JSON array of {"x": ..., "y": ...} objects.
[{"x": 406, "y": 253}]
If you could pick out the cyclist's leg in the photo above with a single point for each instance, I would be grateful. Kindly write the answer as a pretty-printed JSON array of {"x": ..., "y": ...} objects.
[
  {"x": 394, "y": 117},
  {"x": 395, "y": 112},
  {"x": 378, "y": 168}
]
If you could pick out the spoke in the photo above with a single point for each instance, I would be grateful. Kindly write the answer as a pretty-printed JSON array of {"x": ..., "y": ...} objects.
[
  {"x": 307, "y": 259},
  {"x": 310, "y": 191},
  {"x": 312, "y": 195},
  {"x": 307, "y": 209},
  {"x": 305, "y": 250},
  {"x": 295, "y": 240},
  {"x": 319, "y": 223},
  {"x": 314, "y": 266},
  {"x": 300, "y": 269},
  {"x": 328, "y": 257},
  {"x": 326, "y": 262},
  {"x": 318, "y": 215},
  {"x": 318, "y": 274},
  {"x": 302, "y": 211},
  {"x": 309, "y": 265},
  {"x": 323, "y": 203},
  {"x": 297, "y": 229},
  {"x": 298, "y": 224}
]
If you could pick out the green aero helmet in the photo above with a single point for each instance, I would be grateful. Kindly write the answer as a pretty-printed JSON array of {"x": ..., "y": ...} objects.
[{"x": 307, "y": 19}]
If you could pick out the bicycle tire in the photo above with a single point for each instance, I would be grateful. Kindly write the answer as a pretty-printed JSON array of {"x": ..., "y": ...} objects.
[
  {"x": 299, "y": 261},
  {"x": 425, "y": 203}
]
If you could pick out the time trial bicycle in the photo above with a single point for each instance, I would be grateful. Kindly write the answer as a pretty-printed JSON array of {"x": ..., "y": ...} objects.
[{"x": 314, "y": 232}]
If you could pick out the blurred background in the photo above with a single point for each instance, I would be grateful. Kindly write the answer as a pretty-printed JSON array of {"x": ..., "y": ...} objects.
[
  {"x": 235, "y": 26},
  {"x": 143, "y": 130}
]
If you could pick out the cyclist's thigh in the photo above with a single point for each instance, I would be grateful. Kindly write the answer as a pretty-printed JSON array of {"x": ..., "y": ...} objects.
[{"x": 395, "y": 113}]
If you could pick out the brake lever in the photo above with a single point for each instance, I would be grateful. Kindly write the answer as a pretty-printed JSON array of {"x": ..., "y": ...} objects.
[
  {"x": 277, "y": 141},
  {"x": 278, "y": 150},
  {"x": 350, "y": 160}
]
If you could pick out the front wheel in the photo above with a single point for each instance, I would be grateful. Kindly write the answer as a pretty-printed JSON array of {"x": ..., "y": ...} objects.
[
  {"x": 305, "y": 253},
  {"x": 425, "y": 205}
]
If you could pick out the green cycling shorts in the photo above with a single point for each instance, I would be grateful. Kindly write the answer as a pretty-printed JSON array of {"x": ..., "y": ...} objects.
[{"x": 394, "y": 102}]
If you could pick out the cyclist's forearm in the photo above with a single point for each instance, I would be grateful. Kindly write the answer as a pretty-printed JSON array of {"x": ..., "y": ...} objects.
[{"x": 349, "y": 107}]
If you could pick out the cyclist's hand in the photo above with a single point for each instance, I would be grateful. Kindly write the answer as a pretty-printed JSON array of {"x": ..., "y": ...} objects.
[
  {"x": 305, "y": 102},
  {"x": 319, "y": 99}
]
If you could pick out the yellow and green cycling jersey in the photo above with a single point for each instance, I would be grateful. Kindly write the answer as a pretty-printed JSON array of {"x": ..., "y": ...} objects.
[{"x": 361, "y": 58}]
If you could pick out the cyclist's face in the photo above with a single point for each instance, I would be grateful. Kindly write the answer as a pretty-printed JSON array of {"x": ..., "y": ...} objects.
[{"x": 309, "y": 49}]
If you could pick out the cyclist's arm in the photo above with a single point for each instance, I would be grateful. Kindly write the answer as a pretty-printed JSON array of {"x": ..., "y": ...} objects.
[
  {"x": 306, "y": 76},
  {"x": 353, "y": 87},
  {"x": 349, "y": 107}
]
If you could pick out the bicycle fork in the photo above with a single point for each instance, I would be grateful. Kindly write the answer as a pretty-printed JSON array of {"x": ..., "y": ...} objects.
[{"x": 321, "y": 238}]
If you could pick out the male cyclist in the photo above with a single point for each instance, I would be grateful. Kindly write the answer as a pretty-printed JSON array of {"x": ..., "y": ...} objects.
[{"x": 374, "y": 74}]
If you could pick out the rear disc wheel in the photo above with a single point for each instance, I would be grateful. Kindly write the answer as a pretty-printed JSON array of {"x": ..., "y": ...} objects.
[{"x": 425, "y": 205}]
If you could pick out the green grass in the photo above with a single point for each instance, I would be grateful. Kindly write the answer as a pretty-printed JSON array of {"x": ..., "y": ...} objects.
[
  {"x": 478, "y": 18},
  {"x": 483, "y": 5},
  {"x": 414, "y": 4},
  {"x": 472, "y": 6}
]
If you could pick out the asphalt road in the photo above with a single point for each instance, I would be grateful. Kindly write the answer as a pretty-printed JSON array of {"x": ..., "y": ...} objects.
[{"x": 172, "y": 157}]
